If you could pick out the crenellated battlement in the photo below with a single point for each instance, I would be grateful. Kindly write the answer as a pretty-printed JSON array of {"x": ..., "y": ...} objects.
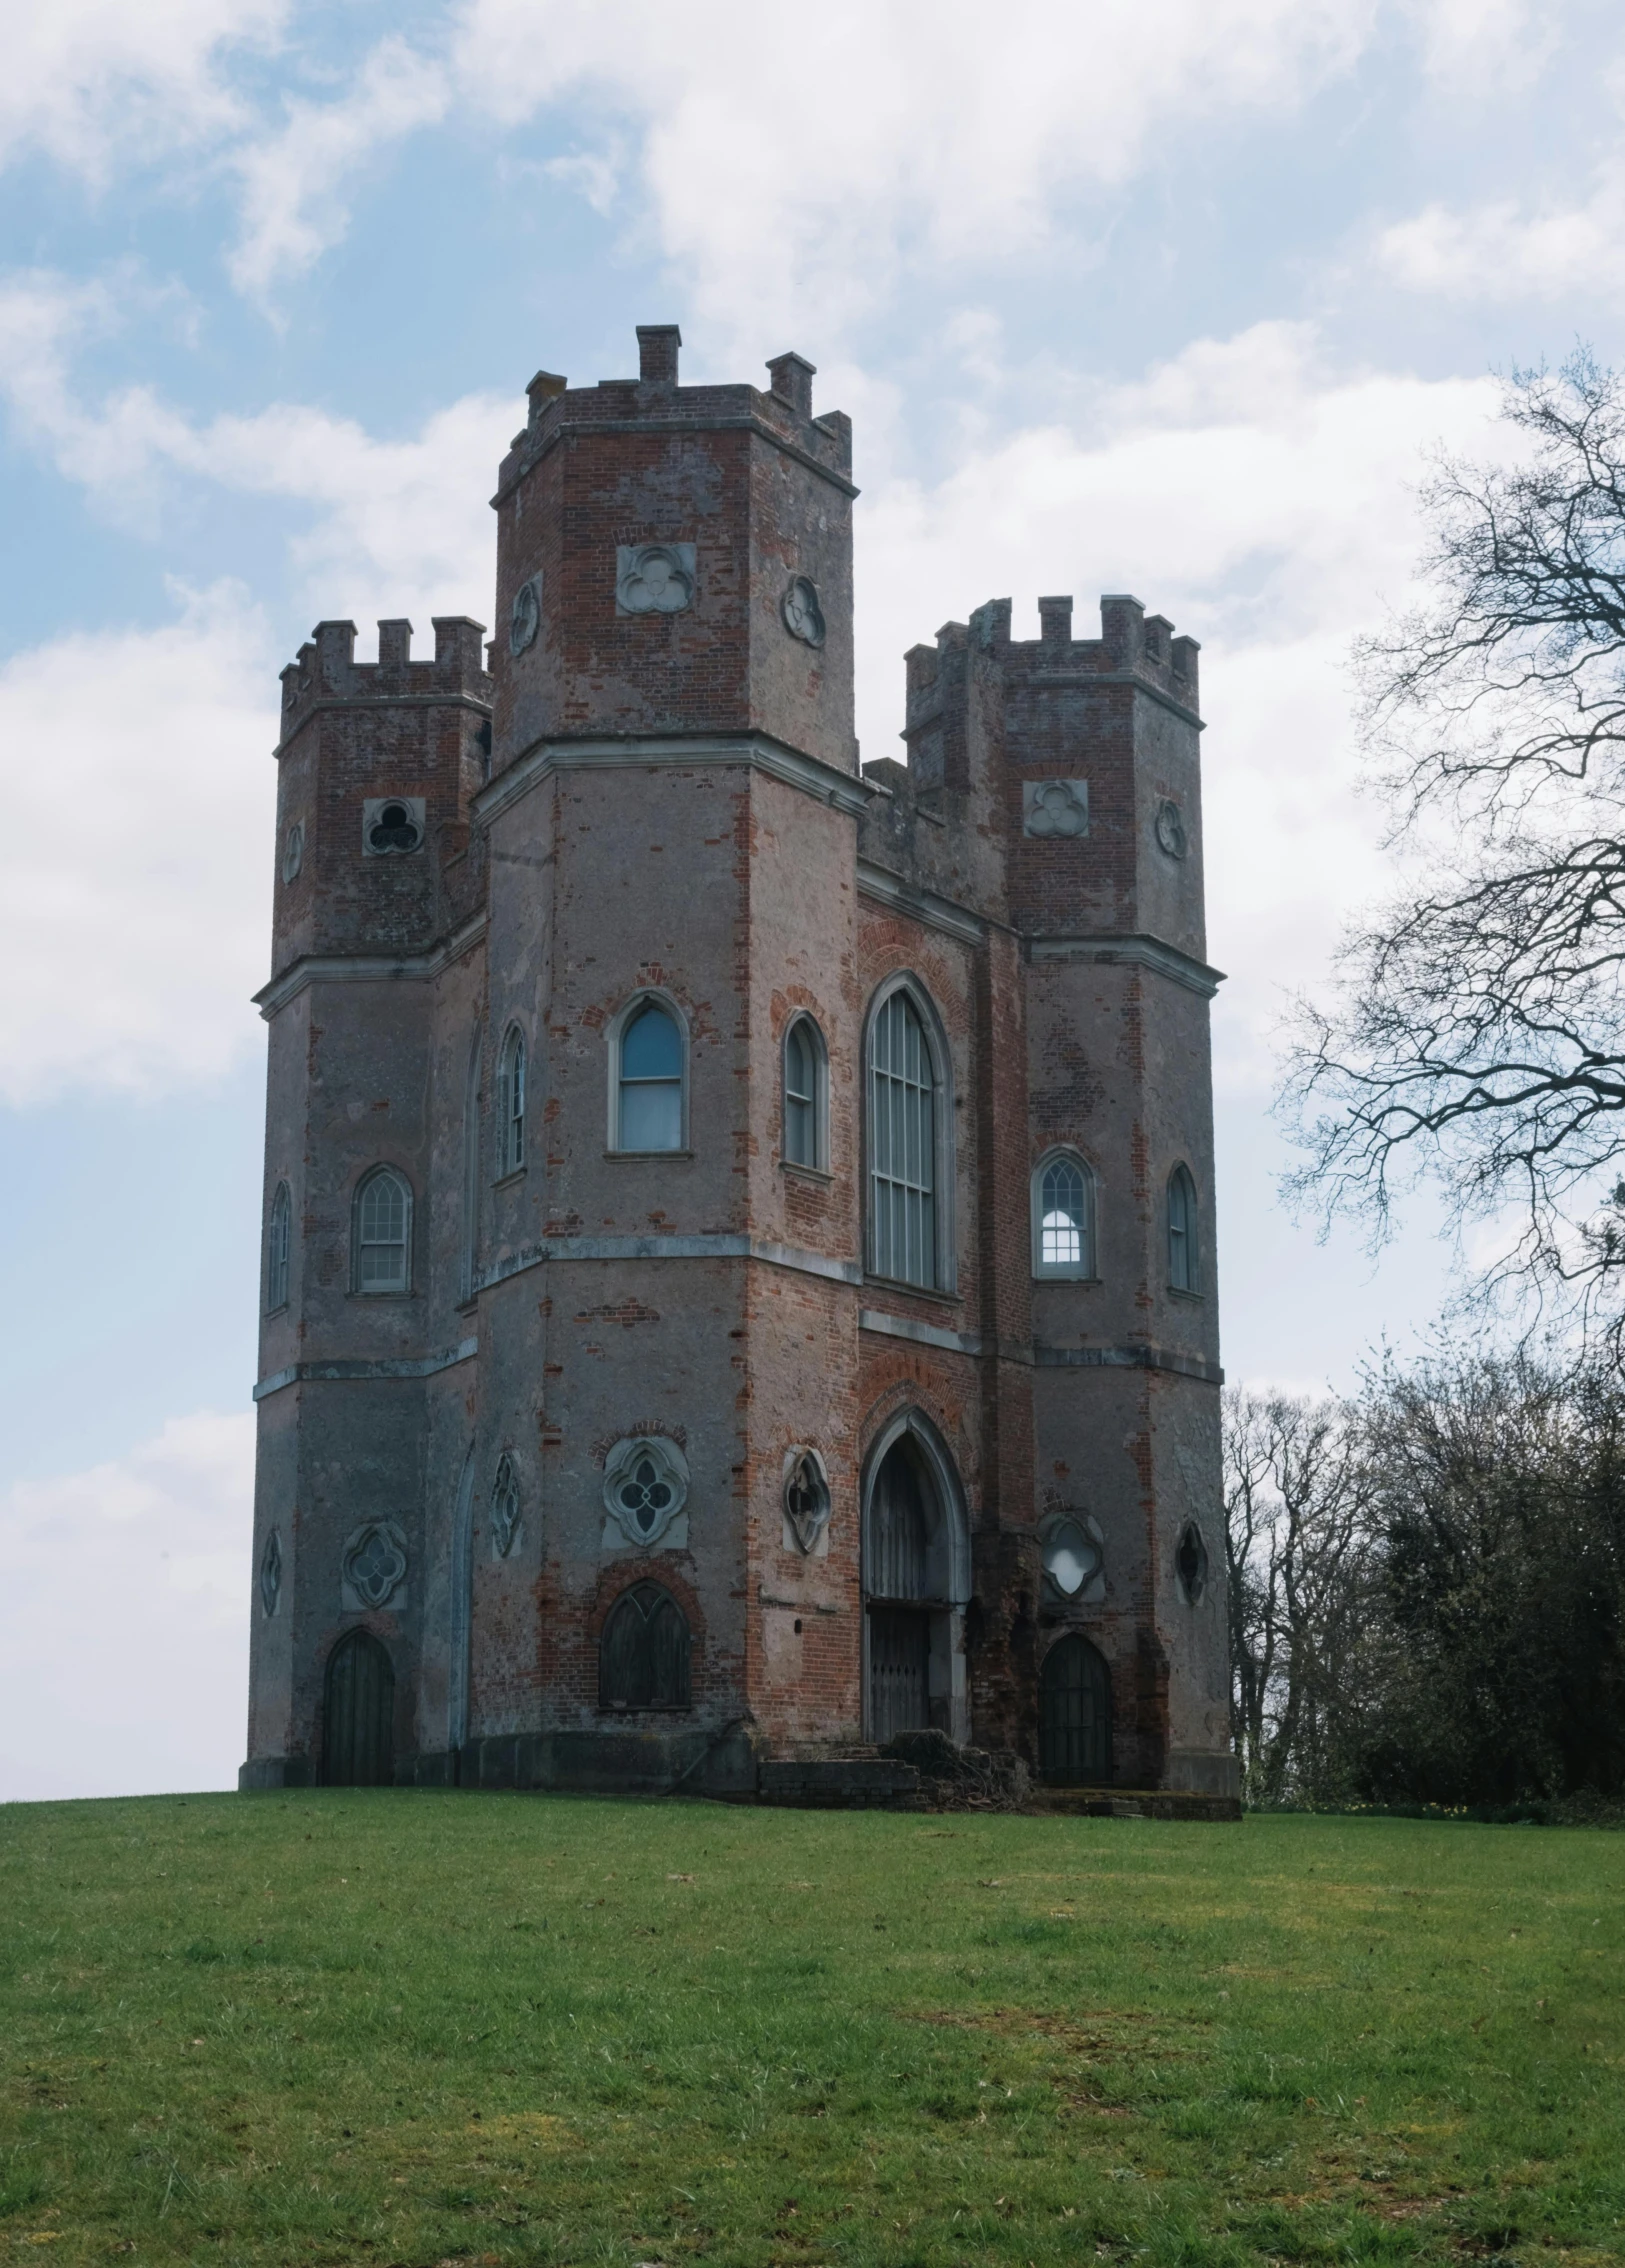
[
  {"x": 782, "y": 412},
  {"x": 326, "y": 669},
  {"x": 1131, "y": 641}
]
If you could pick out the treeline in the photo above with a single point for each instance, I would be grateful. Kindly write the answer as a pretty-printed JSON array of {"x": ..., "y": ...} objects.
[{"x": 1427, "y": 1587}]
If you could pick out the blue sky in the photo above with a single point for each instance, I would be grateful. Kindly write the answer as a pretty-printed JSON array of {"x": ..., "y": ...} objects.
[{"x": 1161, "y": 295}]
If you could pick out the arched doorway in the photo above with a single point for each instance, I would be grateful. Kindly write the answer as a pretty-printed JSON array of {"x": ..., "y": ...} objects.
[
  {"x": 1075, "y": 1715},
  {"x": 915, "y": 1569},
  {"x": 358, "y": 1719},
  {"x": 643, "y": 1655}
]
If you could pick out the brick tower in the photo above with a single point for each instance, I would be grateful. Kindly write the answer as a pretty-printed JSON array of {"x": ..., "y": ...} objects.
[{"x": 738, "y": 1276}]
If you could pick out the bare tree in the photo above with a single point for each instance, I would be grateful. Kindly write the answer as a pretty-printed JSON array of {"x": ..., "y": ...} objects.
[
  {"x": 1300, "y": 1568},
  {"x": 1476, "y": 1030}
]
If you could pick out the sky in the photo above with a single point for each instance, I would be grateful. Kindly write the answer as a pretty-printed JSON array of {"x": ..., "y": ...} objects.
[{"x": 1170, "y": 296}]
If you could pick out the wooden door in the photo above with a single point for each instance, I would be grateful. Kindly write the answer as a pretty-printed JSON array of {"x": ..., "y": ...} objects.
[
  {"x": 358, "y": 1722},
  {"x": 1075, "y": 1716},
  {"x": 899, "y": 1689}
]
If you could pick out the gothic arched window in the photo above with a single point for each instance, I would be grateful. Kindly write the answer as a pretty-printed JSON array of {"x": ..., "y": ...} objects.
[
  {"x": 643, "y": 1655},
  {"x": 1063, "y": 1217},
  {"x": 806, "y": 1141},
  {"x": 511, "y": 1104},
  {"x": 383, "y": 1232},
  {"x": 278, "y": 1239},
  {"x": 1183, "y": 1257},
  {"x": 649, "y": 1079},
  {"x": 907, "y": 1145}
]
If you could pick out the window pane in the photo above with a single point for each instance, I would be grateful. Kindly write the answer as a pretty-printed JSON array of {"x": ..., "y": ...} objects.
[
  {"x": 652, "y": 1115},
  {"x": 651, "y": 1046},
  {"x": 798, "y": 1130},
  {"x": 798, "y": 1063},
  {"x": 383, "y": 1211},
  {"x": 1060, "y": 1241}
]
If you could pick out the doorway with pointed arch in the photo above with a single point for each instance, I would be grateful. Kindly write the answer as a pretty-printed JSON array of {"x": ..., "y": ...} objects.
[
  {"x": 1075, "y": 1715},
  {"x": 358, "y": 1714},
  {"x": 916, "y": 1584}
]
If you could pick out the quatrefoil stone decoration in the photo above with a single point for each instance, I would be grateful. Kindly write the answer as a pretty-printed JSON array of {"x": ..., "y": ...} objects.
[
  {"x": 806, "y": 1498},
  {"x": 271, "y": 1574},
  {"x": 645, "y": 1486},
  {"x": 374, "y": 1563}
]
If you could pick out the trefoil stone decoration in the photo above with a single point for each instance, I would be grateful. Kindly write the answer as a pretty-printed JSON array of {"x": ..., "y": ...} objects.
[
  {"x": 645, "y": 1486},
  {"x": 806, "y": 1498},
  {"x": 525, "y": 616},
  {"x": 654, "y": 578},
  {"x": 504, "y": 1508},
  {"x": 1055, "y": 810},
  {"x": 374, "y": 1564},
  {"x": 803, "y": 616},
  {"x": 392, "y": 826},
  {"x": 1170, "y": 829},
  {"x": 271, "y": 1574},
  {"x": 293, "y": 852}
]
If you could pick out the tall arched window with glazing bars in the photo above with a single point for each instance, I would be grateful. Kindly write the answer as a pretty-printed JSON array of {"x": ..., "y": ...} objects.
[
  {"x": 903, "y": 1104},
  {"x": 278, "y": 1240},
  {"x": 1183, "y": 1256},
  {"x": 511, "y": 1104},
  {"x": 1063, "y": 1217}
]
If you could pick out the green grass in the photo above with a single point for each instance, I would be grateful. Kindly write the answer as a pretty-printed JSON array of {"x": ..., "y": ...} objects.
[{"x": 399, "y": 2028}]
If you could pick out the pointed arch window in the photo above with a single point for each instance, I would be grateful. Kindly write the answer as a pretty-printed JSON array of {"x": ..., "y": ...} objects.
[
  {"x": 1183, "y": 1255},
  {"x": 806, "y": 1095},
  {"x": 383, "y": 1232},
  {"x": 468, "y": 1270},
  {"x": 511, "y": 1104},
  {"x": 278, "y": 1240},
  {"x": 650, "y": 1080},
  {"x": 644, "y": 1656},
  {"x": 908, "y": 1123},
  {"x": 1063, "y": 1216}
]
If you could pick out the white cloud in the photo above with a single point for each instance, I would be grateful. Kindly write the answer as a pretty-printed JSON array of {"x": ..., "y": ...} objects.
[
  {"x": 396, "y": 527},
  {"x": 90, "y": 82},
  {"x": 135, "y": 868},
  {"x": 124, "y": 1609},
  {"x": 1504, "y": 250},
  {"x": 292, "y": 206},
  {"x": 790, "y": 176}
]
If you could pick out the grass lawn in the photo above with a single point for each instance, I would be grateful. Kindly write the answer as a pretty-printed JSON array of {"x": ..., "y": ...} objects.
[{"x": 393, "y": 2027}]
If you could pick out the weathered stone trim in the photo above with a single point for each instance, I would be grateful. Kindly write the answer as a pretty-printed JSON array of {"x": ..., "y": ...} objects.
[
  {"x": 1041, "y": 677},
  {"x": 1036, "y": 1352},
  {"x": 923, "y": 1334},
  {"x": 568, "y": 428},
  {"x": 1142, "y": 951},
  {"x": 366, "y": 968},
  {"x": 423, "y": 1366},
  {"x": 367, "y": 698},
  {"x": 890, "y": 890},
  {"x": 716, "y": 1246},
  {"x": 842, "y": 791},
  {"x": 1128, "y": 1358}
]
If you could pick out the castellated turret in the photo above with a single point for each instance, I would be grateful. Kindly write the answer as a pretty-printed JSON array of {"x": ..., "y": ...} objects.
[{"x": 738, "y": 1301}]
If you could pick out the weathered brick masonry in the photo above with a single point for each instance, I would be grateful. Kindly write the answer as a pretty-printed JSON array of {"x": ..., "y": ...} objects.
[{"x": 739, "y": 1225}]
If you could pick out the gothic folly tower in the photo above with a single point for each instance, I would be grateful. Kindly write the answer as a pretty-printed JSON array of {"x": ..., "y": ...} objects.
[{"x": 739, "y": 1226}]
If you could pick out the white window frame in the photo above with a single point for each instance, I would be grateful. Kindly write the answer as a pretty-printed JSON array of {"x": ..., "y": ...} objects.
[
  {"x": 278, "y": 1249},
  {"x": 1191, "y": 1288},
  {"x": 624, "y": 1017},
  {"x": 804, "y": 1021},
  {"x": 945, "y": 1278},
  {"x": 375, "y": 1173},
  {"x": 510, "y": 1123},
  {"x": 1086, "y": 1270}
]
